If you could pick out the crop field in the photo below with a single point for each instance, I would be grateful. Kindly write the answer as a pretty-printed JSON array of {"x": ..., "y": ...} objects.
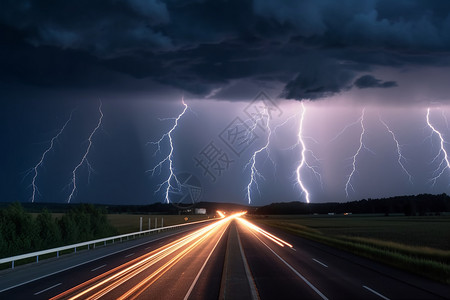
[
  {"x": 126, "y": 223},
  {"x": 431, "y": 231},
  {"x": 417, "y": 244}
]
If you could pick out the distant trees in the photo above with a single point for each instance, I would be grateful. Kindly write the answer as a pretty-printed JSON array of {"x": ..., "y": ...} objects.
[
  {"x": 21, "y": 233},
  {"x": 423, "y": 204}
]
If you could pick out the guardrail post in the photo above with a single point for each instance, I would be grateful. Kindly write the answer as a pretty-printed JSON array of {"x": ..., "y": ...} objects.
[
  {"x": 75, "y": 250},
  {"x": 162, "y": 222},
  {"x": 57, "y": 254},
  {"x": 105, "y": 244},
  {"x": 37, "y": 258},
  {"x": 12, "y": 265},
  {"x": 149, "y": 224},
  {"x": 140, "y": 223},
  {"x": 88, "y": 247}
]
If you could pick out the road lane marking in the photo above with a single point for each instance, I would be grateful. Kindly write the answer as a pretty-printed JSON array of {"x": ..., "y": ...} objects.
[
  {"x": 319, "y": 262},
  {"x": 131, "y": 254},
  {"x": 102, "y": 266},
  {"x": 201, "y": 270},
  {"x": 375, "y": 292},
  {"x": 294, "y": 270},
  {"x": 47, "y": 289},
  {"x": 251, "y": 281}
]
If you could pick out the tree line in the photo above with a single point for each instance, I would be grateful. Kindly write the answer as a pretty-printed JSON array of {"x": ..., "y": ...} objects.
[
  {"x": 415, "y": 205},
  {"x": 21, "y": 232}
]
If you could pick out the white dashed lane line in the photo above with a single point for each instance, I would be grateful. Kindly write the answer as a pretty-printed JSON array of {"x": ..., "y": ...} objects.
[
  {"x": 47, "y": 289},
  {"x": 375, "y": 292},
  {"x": 102, "y": 266},
  {"x": 320, "y": 263}
]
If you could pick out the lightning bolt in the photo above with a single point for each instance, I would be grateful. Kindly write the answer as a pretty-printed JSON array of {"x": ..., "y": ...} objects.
[
  {"x": 254, "y": 172},
  {"x": 84, "y": 159},
  {"x": 303, "y": 160},
  {"x": 41, "y": 161},
  {"x": 168, "y": 158},
  {"x": 361, "y": 146},
  {"x": 444, "y": 163},
  {"x": 400, "y": 156}
]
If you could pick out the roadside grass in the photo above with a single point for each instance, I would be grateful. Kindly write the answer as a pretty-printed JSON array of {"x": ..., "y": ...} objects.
[
  {"x": 127, "y": 223},
  {"x": 124, "y": 223},
  {"x": 355, "y": 234}
]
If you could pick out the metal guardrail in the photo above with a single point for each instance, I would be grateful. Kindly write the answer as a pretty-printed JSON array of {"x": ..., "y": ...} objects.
[{"x": 36, "y": 254}]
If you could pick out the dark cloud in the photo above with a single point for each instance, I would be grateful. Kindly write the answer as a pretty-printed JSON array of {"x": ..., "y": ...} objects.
[
  {"x": 317, "y": 48},
  {"x": 368, "y": 81}
]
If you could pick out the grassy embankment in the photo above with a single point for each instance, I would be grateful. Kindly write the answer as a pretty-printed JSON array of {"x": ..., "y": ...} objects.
[
  {"x": 417, "y": 244},
  {"x": 128, "y": 223},
  {"x": 125, "y": 223}
]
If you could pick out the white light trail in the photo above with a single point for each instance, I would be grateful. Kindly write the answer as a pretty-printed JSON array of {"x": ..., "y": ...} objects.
[
  {"x": 84, "y": 159},
  {"x": 400, "y": 156},
  {"x": 41, "y": 161},
  {"x": 168, "y": 158},
  {"x": 444, "y": 163}
]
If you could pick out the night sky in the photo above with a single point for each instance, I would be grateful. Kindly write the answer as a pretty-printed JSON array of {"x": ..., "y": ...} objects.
[{"x": 331, "y": 62}]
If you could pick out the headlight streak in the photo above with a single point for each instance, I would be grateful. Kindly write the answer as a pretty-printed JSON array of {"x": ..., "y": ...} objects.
[
  {"x": 41, "y": 161},
  {"x": 221, "y": 214},
  {"x": 270, "y": 236},
  {"x": 168, "y": 158},
  {"x": 110, "y": 280},
  {"x": 84, "y": 159}
]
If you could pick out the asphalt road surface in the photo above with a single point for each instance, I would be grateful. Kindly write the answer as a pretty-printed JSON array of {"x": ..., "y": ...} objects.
[{"x": 226, "y": 259}]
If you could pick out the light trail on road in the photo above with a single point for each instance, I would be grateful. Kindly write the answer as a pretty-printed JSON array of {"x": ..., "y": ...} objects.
[{"x": 163, "y": 259}]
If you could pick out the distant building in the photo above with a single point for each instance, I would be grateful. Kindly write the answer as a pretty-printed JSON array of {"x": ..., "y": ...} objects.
[{"x": 200, "y": 211}]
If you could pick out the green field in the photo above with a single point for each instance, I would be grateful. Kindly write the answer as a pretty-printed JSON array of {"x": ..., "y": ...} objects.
[
  {"x": 126, "y": 223},
  {"x": 430, "y": 231},
  {"x": 417, "y": 244}
]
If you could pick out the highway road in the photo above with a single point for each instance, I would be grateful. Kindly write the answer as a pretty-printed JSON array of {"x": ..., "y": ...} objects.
[{"x": 229, "y": 259}]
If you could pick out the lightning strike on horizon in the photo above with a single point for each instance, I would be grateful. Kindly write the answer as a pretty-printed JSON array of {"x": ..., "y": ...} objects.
[
  {"x": 169, "y": 157},
  {"x": 252, "y": 162},
  {"x": 400, "y": 156},
  {"x": 444, "y": 163},
  {"x": 361, "y": 146},
  {"x": 41, "y": 161},
  {"x": 84, "y": 159},
  {"x": 303, "y": 161}
]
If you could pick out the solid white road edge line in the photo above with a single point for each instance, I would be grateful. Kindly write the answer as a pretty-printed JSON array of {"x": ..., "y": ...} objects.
[
  {"x": 294, "y": 270},
  {"x": 201, "y": 269},
  {"x": 251, "y": 282}
]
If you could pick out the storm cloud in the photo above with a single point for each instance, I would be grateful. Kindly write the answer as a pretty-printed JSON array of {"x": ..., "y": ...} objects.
[{"x": 314, "y": 48}]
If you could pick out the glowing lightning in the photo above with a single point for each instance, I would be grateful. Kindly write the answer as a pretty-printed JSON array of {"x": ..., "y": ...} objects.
[
  {"x": 444, "y": 164},
  {"x": 41, "y": 161},
  {"x": 303, "y": 155},
  {"x": 252, "y": 162},
  {"x": 361, "y": 145},
  {"x": 84, "y": 158},
  {"x": 400, "y": 156},
  {"x": 168, "y": 158}
]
